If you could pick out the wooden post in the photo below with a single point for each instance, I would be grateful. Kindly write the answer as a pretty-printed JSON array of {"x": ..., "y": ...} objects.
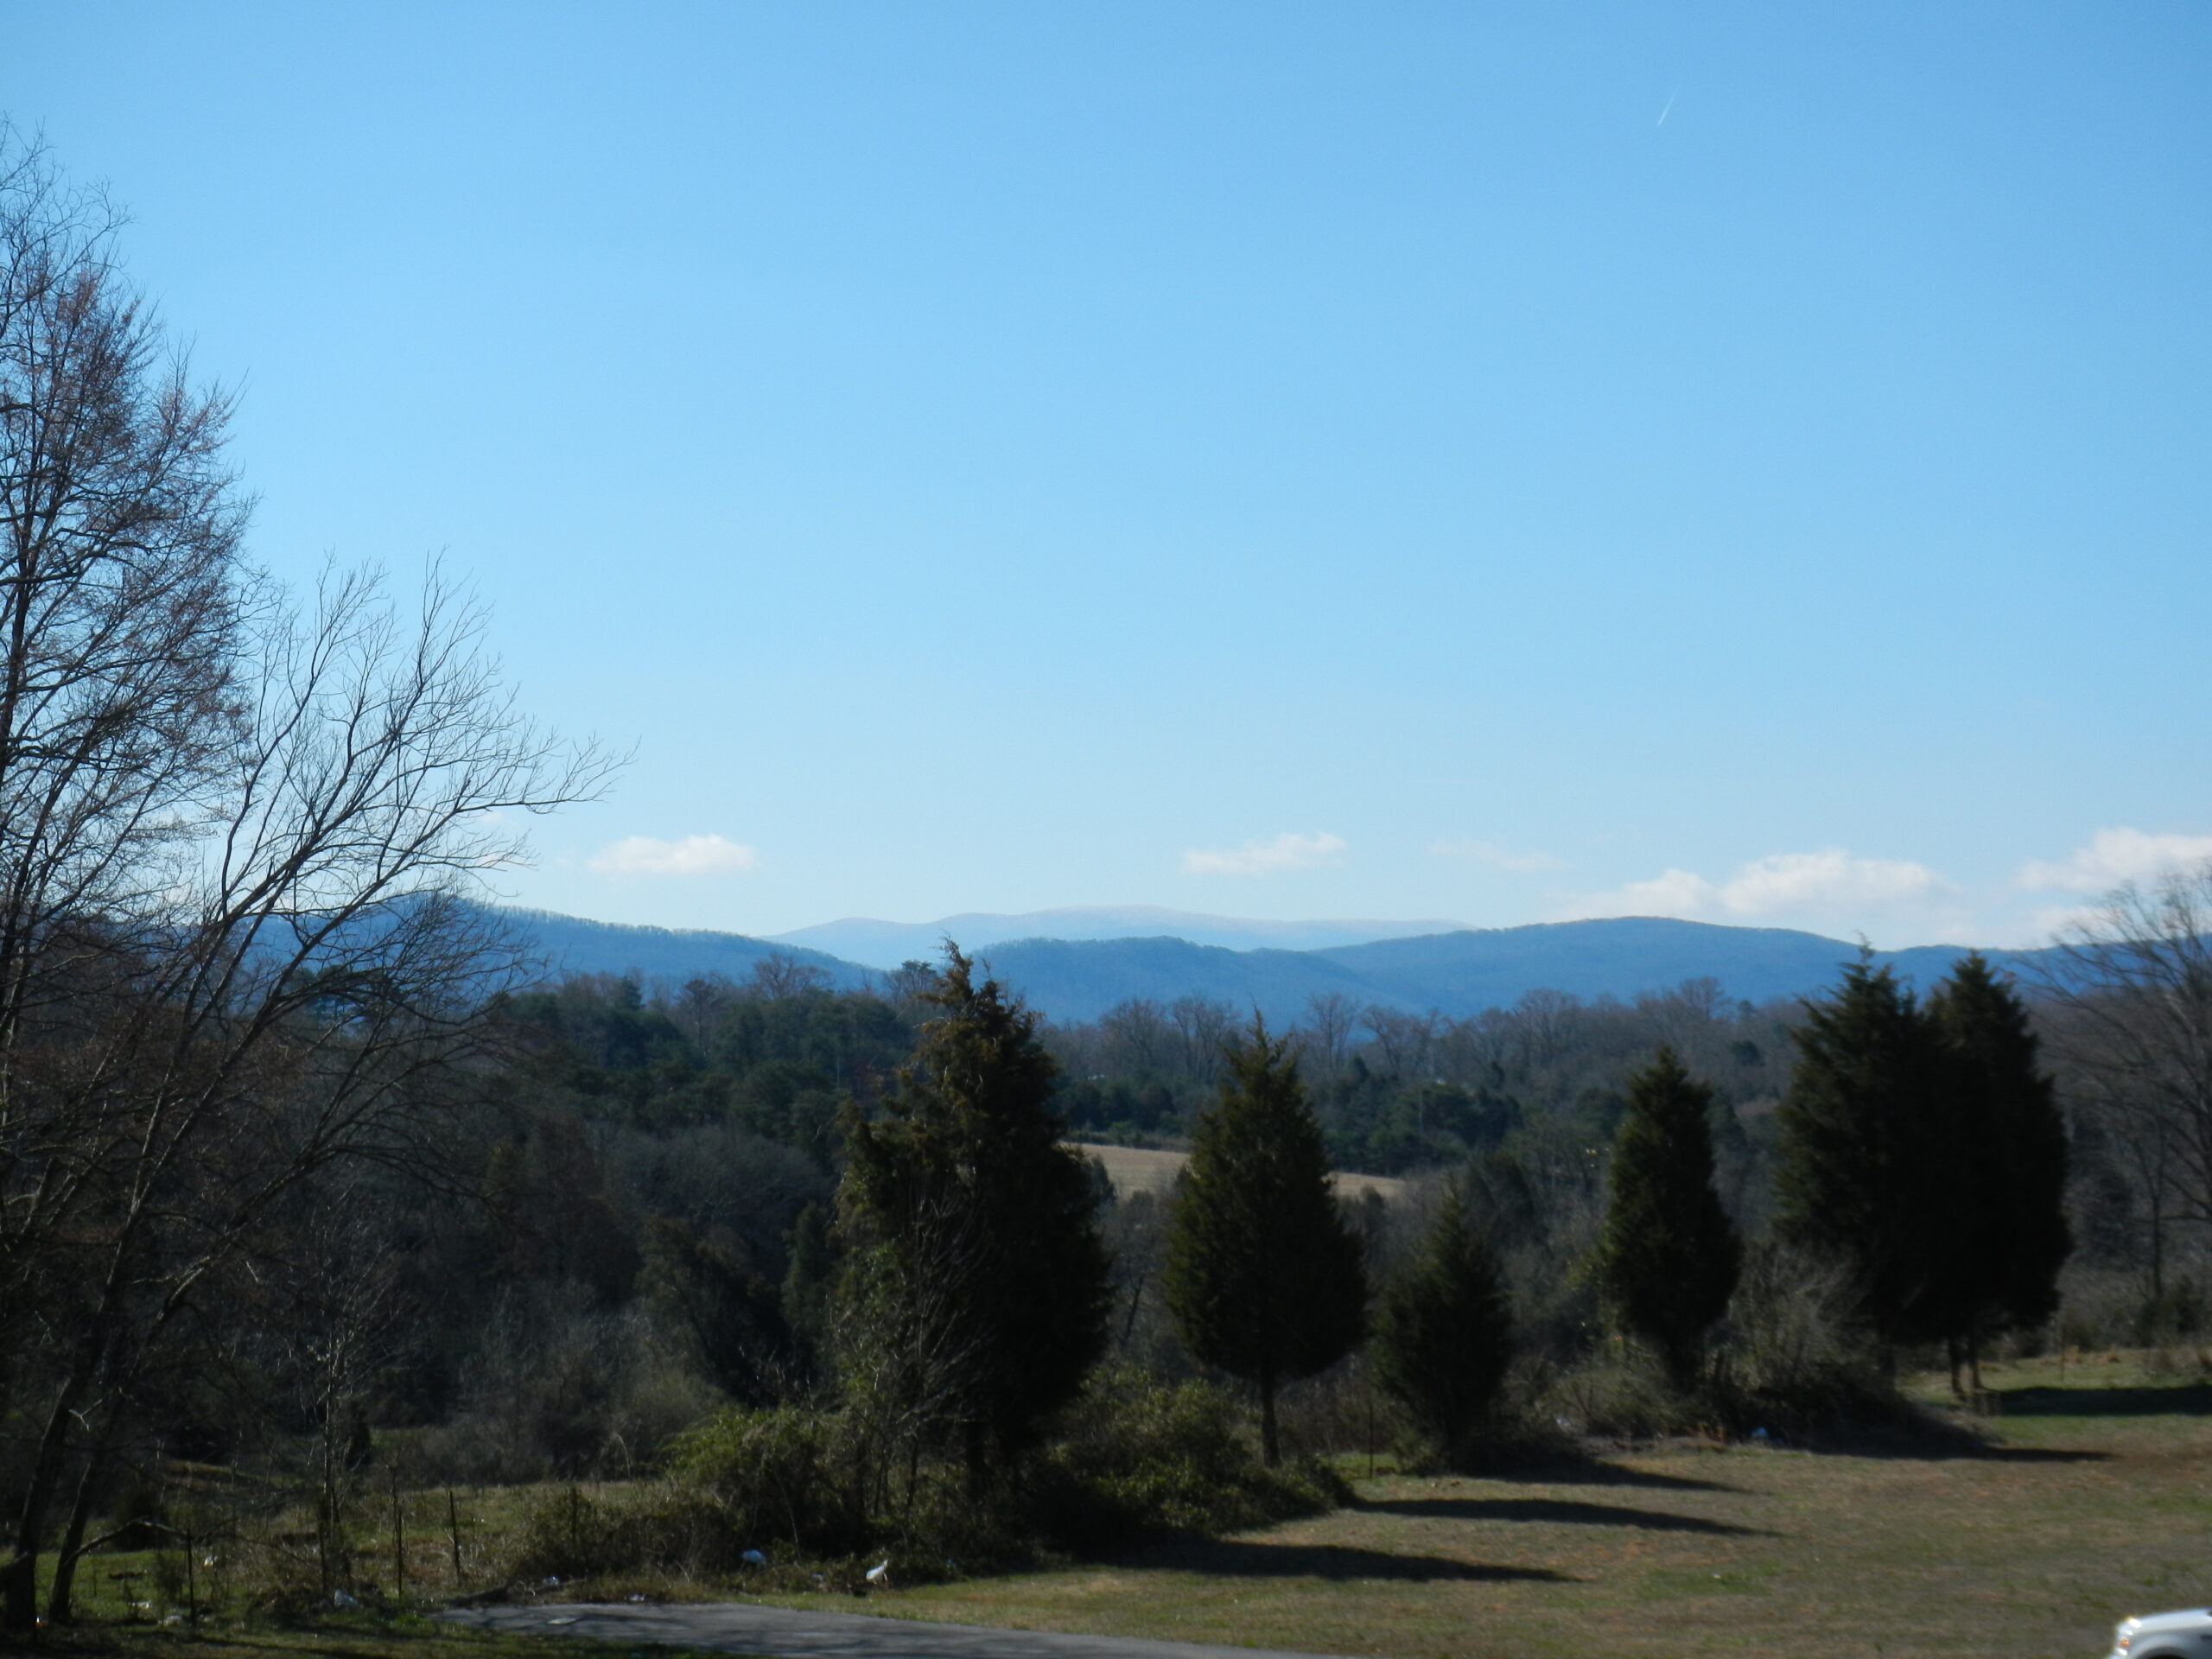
[
  {"x": 452, "y": 1531},
  {"x": 398, "y": 1539}
]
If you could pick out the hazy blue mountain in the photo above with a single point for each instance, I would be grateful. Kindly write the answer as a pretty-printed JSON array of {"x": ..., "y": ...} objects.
[
  {"x": 572, "y": 946},
  {"x": 1458, "y": 973},
  {"x": 886, "y": 944}
]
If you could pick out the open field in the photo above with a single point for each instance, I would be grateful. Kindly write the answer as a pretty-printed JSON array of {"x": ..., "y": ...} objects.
[
  {"x": 2089, "y": 1497},
  {"x": 2092, "y": 1501},
  {"x": 1148, "y": 1169}
]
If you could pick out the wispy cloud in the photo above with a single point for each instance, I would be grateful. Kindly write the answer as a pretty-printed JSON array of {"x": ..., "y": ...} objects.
[
  {"x": 1829, "y": 883},
  {"x": 1497, "y": 857},
  {"x": 2114, "y": 856},
  {"x": 691, "y": 855},
  {"x": 1285, "y": 852}
]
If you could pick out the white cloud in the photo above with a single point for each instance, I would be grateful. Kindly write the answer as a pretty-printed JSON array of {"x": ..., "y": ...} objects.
[
  {"x": 1497, "y": 857},
  {"x": 1285, "y": 852},
  {"x": 692, "y": 856},
  {"x": 1830, "y": 883},
  {"x": 2114, "y": 857}
]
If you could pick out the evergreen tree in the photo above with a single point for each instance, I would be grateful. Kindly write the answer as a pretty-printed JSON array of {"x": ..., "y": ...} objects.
[
  {"x": 977, "y": 1282},
  {"x": 2013, "y": 1184},
  {"x": 1263, "y": 1275},
  {"x": 1867, "y": 1163},
  {"x": 1444, "y": 1328},
  {"x": 1669, "y": 1255}
]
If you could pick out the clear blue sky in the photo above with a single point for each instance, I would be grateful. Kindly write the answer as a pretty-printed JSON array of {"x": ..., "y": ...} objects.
[{"x": 1489, "y": 462}]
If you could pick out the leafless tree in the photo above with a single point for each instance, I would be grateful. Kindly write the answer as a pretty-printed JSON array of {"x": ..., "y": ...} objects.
[
  {"x": 238, "y": 842},
  {"x": 1202, "y": 1025},
  {"x": 2132, "y": 980},
  {"x": 1400, "y": 1041},
  {"x": 1330, "y": 1018}
]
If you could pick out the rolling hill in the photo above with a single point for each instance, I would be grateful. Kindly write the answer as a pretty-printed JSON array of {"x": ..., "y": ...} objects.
[{"x": 1457, "y": 973}]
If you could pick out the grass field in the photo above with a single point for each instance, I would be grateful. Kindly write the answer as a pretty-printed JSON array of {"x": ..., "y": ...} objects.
[
  {"x": 2092, "y": 1500},
  {"x": 2087, "y": 1498},
  {"x": 1146, "y": 1169}
]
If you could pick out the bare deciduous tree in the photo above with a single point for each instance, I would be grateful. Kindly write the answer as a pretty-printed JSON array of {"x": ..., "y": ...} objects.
[
  {"x": 238, "y": 842},
  {"x": 2134, "y": 984}
]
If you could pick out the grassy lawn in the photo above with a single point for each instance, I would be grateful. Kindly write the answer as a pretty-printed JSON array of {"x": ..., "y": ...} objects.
[
  {"x": 2090, "y": 1498},
  {"x": 2093, "y": 1501}
]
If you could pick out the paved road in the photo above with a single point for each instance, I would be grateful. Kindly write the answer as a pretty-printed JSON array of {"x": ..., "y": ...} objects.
[{"x": 790, "y": 1633}]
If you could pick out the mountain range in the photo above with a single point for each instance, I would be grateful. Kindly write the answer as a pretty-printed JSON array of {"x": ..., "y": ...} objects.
[
  {"x": 1087, "y": 967},
  {"x": 886, "y": 944}
]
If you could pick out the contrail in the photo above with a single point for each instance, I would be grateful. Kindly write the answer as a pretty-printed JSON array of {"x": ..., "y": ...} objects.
[{"x": 1662, "y": 121}]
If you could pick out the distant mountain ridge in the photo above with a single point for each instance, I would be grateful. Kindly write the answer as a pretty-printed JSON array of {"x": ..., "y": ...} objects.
[
  {"x": 886, "y": 944},
  {"x": 1458, "y": 973}
]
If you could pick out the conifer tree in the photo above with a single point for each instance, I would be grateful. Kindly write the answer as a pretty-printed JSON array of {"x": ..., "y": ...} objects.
[
  {"x": 1669, "y": 1257},
  {"x": 1263, "y": 1275},
  {"x": 2014, "y": 1139},
  {"x": 1866, "y": 1167},
  {"x": 1444, "y": 1328},
  {"x": 977, "y": 1281}
]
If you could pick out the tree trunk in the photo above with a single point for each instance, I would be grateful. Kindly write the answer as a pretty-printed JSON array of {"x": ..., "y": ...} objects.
[
  {"x": 19, "y": 1578},
  {"x": 59, "y": 1595},
  {"x": 1951, "y": 1350}
]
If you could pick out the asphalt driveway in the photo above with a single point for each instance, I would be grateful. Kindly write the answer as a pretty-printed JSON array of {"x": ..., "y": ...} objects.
[{"x": 792, "y": 1633}]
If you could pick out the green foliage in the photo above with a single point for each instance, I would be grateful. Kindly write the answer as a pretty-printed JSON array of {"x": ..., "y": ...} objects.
[
  {"x": 1137, "y": 1455},
  {"x": 976, "y": 1293},
  {"x": 1263, "y": 1275},
  {"x": 782, "y": 1475},
  {"x": 1670, "y": 1257},
  {"x": 1444, "y": 1329},
  {"x": 2013, "y": 1178},
  {"x": 1865, "y": 1171}
]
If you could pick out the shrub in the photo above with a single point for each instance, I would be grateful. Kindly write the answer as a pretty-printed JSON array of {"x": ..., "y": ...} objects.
[
  {"x": 1137, "y": 1455},
  {"x": 781, "y": 1473}
]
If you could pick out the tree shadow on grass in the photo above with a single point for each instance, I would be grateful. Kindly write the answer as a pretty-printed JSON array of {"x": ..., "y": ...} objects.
[
  {"x": 1595, "y": 1473},
  {"x": 1241, "y": 1559},
  {"x": 2181, "y": 1399},
  {"x": 1563, "y": 1511}
]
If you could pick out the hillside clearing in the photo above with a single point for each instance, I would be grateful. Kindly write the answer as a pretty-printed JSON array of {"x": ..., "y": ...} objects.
[{"x": 1150, "y": 1169}]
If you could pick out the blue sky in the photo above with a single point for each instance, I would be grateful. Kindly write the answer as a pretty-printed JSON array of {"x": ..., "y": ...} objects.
[{"x": 1489, "y": 462}]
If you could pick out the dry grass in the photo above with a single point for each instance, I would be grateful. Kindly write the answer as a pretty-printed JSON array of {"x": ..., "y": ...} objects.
[
  {"x": 1146, "y": 1169},
  {"x": 2084, "y": 1506}
]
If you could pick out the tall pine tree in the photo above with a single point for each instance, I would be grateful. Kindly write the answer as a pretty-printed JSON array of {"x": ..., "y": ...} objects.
[
  {"x": 1263, "y": 1275},
  {"x": 977, "y": 1282},
  {"x": 1669, "y": 1257},
  {"x": 1444, "y": 1328},
  {"x": 1869, "y": 1155},
  {"x": 2012, "y": 1137}
]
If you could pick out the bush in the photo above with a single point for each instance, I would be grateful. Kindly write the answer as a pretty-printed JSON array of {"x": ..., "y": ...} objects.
[
  {"x": 781, "y": 1473},
  {"x": 1794, "y": 1358},
  {"x": 1136, "y": 1455}
]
